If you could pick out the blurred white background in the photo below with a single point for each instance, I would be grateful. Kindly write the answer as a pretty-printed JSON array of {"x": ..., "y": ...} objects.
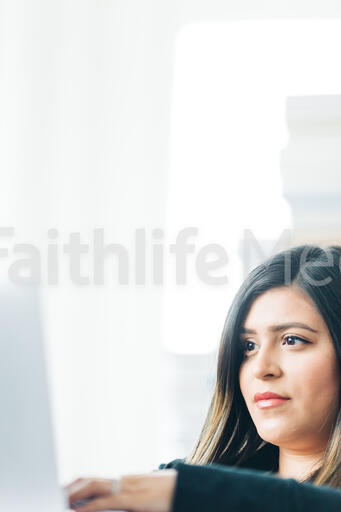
[{"x": 127, "y": 115}]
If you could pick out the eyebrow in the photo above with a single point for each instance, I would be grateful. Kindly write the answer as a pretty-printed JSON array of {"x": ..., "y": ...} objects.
[{"x": 281, "y": 327}]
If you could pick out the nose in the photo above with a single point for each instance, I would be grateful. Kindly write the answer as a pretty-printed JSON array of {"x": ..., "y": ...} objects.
[{"x": 266, "y": 363}]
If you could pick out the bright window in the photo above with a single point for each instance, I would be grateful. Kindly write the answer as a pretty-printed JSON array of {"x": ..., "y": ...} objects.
[{"x": 231, "y": 81}]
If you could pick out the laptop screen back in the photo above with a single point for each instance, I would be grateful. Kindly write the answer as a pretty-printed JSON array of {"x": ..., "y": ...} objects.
[{"x": 28, "y": 475}]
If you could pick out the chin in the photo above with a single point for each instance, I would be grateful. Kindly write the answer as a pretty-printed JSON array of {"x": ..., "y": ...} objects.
[
  {"x": 272, "y": 440},
  {"x": 269, "y": 435}
]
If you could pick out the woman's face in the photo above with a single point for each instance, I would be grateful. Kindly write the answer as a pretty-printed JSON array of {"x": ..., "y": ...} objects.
[{"x": 295, "y": 361}]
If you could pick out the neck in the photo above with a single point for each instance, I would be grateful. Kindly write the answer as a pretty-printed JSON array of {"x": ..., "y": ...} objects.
[{"x": 298, "y": 464}]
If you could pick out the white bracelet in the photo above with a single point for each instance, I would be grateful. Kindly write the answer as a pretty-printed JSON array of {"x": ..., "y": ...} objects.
[{"x": 115, "y": 485}]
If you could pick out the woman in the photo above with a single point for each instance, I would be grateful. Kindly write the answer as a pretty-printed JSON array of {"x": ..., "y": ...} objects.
[{"x": 282, "y": 336}]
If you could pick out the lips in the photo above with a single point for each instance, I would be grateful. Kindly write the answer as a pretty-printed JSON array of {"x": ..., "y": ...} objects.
[{"x": 267, "y": 396}]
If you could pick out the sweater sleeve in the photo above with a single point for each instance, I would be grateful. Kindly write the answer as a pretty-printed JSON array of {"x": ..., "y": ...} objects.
[
  {"x": 171, "y": 464},
  {"x": 218, "y": 488}
]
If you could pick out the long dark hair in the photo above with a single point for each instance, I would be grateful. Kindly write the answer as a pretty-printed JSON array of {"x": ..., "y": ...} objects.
[{"x": 229, "y": 436}]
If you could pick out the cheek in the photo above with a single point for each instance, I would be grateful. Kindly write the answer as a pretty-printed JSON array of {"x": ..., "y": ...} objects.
[
  {"x": 313, "y": 382},
  {"x": 319, "y": 380}
]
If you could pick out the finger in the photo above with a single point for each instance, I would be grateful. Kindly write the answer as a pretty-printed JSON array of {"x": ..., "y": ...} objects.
[
  {"x": 90, "y": 488},
  {"x": 69, "y": 486},
  {"x": 118, "y": 502}
]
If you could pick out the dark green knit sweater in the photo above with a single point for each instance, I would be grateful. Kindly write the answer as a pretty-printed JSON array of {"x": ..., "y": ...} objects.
[{"x": 216, "y": 488}]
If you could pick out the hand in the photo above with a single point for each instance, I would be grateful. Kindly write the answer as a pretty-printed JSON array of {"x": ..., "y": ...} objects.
[{"x": 149, "y": 492}]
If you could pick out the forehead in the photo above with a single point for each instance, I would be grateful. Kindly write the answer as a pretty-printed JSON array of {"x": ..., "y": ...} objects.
[{"x": 282, "y": 305}]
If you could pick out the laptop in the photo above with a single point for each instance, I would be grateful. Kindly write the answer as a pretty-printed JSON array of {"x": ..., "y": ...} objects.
[{"x": 28, "y": 472}]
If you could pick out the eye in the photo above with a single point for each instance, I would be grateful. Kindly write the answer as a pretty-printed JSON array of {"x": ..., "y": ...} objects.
[
  {"x": 291, "y": 338},
  {"x": 247, "y": 345}
]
